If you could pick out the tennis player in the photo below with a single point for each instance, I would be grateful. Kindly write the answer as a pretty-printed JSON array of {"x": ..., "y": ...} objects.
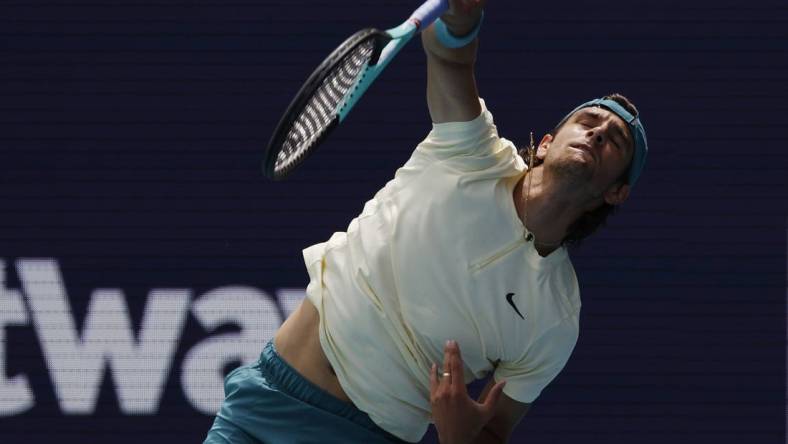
[{"x": 464, "y": 248}]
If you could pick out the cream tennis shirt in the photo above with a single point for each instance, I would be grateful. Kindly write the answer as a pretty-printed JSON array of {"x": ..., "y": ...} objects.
[{"x": 433, "y": 256}]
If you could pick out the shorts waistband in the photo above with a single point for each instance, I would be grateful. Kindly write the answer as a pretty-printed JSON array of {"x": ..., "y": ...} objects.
[{"x": 280, "y": 373}]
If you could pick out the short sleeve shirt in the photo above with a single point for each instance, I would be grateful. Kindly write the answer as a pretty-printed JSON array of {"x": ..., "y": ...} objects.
[{"x": 440, "y": 253}]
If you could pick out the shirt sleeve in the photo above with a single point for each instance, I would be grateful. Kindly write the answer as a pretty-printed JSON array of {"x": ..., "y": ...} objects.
[
  {"x": 542, "y": 362},
  {"x": 476, "y": 137}
]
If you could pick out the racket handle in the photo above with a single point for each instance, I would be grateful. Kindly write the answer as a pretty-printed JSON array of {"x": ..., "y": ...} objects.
[{"x": 428, "y": 12}]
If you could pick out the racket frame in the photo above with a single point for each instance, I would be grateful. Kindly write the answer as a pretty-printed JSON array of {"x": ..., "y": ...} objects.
[
  {"x": 387, "y": 44},
  {"x": 305, "y": 94},
  {"x": 397, "y": 38}
]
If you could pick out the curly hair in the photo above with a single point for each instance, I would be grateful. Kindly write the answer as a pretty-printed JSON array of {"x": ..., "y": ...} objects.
[{"x": 590, "y": 221}]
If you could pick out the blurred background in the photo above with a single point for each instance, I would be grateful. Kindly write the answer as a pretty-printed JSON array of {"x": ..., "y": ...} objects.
[{"x": 143, "y": 255}]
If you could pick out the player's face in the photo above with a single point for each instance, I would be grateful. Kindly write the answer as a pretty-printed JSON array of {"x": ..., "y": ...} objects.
[{"x": 593, "y": 149}]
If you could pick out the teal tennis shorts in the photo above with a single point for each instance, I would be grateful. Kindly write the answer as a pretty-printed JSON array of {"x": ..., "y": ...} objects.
[{"x": 269, "y": 402}]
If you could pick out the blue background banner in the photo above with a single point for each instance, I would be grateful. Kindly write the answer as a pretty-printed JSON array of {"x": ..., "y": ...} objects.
[{"x": 143, "y": 255}]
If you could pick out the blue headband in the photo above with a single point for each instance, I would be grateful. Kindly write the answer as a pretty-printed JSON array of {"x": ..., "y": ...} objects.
[{"x": 635, "y": 128}]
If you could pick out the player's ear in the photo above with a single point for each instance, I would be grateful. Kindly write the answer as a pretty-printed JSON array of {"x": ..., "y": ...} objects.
[
  {"x": 544, "y": 145},
  {"x": 617, "y": 193}
]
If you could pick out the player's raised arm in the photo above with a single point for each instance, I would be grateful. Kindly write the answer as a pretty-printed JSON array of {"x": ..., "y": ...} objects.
[{"x": 451, "y": 86}]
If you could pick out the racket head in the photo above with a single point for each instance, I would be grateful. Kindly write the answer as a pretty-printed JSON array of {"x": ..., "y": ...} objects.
[{"x": 313, "y": 113}]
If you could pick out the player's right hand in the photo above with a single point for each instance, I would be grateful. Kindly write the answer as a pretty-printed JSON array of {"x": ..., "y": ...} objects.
[{"x": 463, "y": 15}]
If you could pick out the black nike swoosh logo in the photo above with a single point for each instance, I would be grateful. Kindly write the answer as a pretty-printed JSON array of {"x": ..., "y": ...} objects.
[{"x": 511, "y": 302}]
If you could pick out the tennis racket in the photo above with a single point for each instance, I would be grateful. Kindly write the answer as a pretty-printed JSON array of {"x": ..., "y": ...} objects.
[{"x": 334, "y": 88}]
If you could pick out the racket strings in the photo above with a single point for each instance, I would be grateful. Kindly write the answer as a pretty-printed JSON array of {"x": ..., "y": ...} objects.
[{"x": 322, "y": 107}]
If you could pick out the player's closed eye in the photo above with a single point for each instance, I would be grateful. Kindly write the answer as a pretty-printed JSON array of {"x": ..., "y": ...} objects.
[{"x": 591, "y": 125}]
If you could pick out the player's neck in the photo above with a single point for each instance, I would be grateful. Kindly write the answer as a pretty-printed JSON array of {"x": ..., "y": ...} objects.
[{"x": 548, "y": 210}]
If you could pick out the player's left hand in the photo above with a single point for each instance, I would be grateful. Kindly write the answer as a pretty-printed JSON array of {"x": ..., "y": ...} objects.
[{"x": 457, "y": 417}]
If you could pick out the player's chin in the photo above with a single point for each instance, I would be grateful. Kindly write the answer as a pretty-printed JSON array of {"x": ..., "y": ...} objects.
[{"x": 576, "y": 168}]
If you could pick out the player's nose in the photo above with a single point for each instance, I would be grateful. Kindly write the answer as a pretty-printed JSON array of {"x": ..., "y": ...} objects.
[{"x": 596, "y": 137}]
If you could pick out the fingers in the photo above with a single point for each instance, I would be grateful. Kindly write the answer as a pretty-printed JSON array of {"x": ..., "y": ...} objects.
[
  {"x": 493, "y": 397},
  {"x": 465, "y": 6},
  {"x": 446, "y": 379},
  {"x": 433, "y": 378},
  {"x": 452, "y": 364},
  {"x": 458, "y": 378}
]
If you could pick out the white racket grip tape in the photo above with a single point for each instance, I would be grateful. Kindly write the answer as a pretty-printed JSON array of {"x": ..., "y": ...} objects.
[{"x": 428, "y": 12}]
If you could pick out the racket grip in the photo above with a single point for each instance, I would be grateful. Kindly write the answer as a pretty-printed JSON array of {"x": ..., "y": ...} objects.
[{"x": 428, "y": 12}]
